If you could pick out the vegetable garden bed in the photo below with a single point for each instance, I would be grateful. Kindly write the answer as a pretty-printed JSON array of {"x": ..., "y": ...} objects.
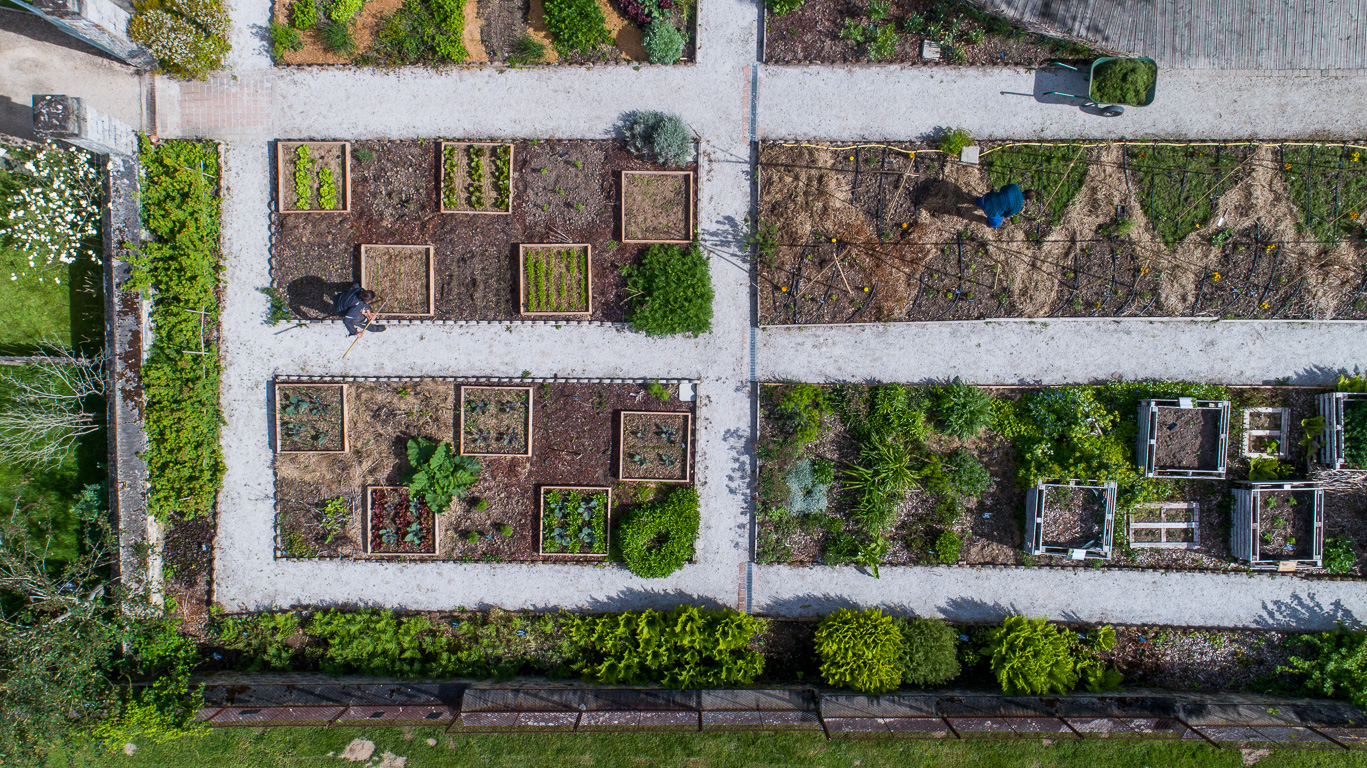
[
  {"x": 574, "y": 431},
  {"x": 311, "y": 418},
  {"x": 654, "y": 447},
  {"x": 1343, "y": 442},
  {"x": 1183, "y": 438},
  {"x": 657, "y": 207},
  {"x": 401, "y": 275},
  {"x": 398, "y": 525},
  {"x": 1278, "y": 525},
  {"x": 313, "y": 176},
  {"x": 556, "y": 279},
  {"x": 887, "y": 232},
  {"x": 1075, "y": 519},
  {"x": 476, "y": 178},
  {"x": 496, "y": 421},
  {"x": 561, "y": 192},
  {"x": 574, "y": 520}
]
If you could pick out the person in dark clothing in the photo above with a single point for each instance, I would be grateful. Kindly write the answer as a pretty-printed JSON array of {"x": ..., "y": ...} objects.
[
  {"x": 353, "y": 304},
  {"x": 1004, "y": 203}
]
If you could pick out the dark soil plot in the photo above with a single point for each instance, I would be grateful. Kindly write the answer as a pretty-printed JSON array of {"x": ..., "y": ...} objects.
[
  {"x": 556, "y": 280},
  {"x": 1074, "y": 518},
  {"x": 655, "y": 446},
  {"x": 476, "y": 178},
  {"x": 1188, "y": 438},
  {"x": 494, "y": 421},
  {"x": 830, "y": 32},
  {"x": 1286, "y": 525},
  {"x": 574, "y": 439},
  {"x": 657, "y": 207},
  {"x": 313, "y": 176},
  {"x": 401, "y": 276},
  {"x": 574, "y": 521},
  {"x": 563, "y": 192},
  {"x": 399, "y": 525},
  {"x": 311, "y": 418}
]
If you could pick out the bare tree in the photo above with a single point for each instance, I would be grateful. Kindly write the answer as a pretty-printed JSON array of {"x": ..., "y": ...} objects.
[{"x": 47, "y": 412}]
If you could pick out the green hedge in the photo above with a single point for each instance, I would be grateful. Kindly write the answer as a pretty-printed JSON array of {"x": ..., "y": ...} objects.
[
  {"x": 181, "y": 261},
  {"x": 657, "y": 539}
]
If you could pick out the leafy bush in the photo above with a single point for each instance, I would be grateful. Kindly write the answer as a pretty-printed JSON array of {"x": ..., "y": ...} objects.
[
  {"x": 1031, "y": 657},
  {"x": 961, "y": 410},
  {"x": 953, "y": 140},
  {"x": 884, "y": 43},
  {"x": 663, "y": 43},
  {"x": 303, "y": 14},
  {"x": 798, "y": 410},
  {"x": 188, "y": 37},
  {"x": 660, "y": 135},
  {"x": 261, "y": 639},
  {"x": 423, "y": 32},
  {"x": 1340, "y": 554},
  {"x": 1265, "y": 468},
  {"x": 337, "y": 38},
  {"x": 959, "y": 474},
  {"x": 165, "y": 710},
  {"x": 657, "y": 539},
  {"x": 1355, "y": 433},
  {"x": 948, "y": 546},
  {"x": 1338, "y": 668},
  {"x": 576, "y": 26},
  {"x": 645, "y": 12},
  {"x": 670, "y": 291},
  {"x": 860, "y": 650},
  {"x": 438, "y": 474},
  {"x": 344, "y": 10},
  {"x": 806, "y": 491},
  {"x": 929, "y": 652},
  {"x": 375, "y": 643},
  {"x": 658, "y": 391},
  {"x": 688, "y": 647},
  {"x": 283, "y": 39},
  {"x": 181, "y": 412},
  {"x": 783, "y": 7},
  {"x": 1124, "y": 81}
]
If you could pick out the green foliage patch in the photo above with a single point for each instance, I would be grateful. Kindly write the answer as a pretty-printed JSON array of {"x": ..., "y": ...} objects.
[
  {"x": 1355, "y": 433},
  {"x": 960, "y": 409},
  {"x": 688, "y": 647},
  {"x": 1336, "y": 665},
  {"x": 188, "y": 37},
  {"x": 1177, "y": 185},
  {"x": 438, "y": 474},
  {"x": 576, "y": 26},
  {"x": 1031, "y": 657},
  {"x": 860, "y": 650},
  {"x": 1328, "y": 184},
  {"x": 663, "y": 43},
  {"x": 1055, "y": 171},
  {"x": 658, "y": 537},
  {"x": 930, "y": 655},
  {"x": 670, "y": 291},
  {"x": 659, "y": 135}
]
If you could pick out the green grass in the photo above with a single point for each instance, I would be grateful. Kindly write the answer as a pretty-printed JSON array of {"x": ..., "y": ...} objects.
[
  {"x": 1176, "y": 185},
  {"x": 1055, "y": 171},
  {"x": 259, "y": 748},
  {"x": 1124, "y": 81},
  {"x": 1328, "y": 183}
]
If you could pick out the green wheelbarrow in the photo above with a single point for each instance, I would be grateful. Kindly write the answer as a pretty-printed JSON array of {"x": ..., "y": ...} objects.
[{"x": 1100, "y": 100}]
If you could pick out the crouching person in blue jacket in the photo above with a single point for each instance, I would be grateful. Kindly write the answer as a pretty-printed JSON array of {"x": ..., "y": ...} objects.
[{"x": 1004, "y": 203}]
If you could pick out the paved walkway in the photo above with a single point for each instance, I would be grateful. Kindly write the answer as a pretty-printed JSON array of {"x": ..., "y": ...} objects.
[
  {"x": 1217, "y": 34},
  {"x": 255, "y": 103}
]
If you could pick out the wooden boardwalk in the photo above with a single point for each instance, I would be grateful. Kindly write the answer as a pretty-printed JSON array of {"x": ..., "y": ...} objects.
[{"x": 1210, "y": 34}]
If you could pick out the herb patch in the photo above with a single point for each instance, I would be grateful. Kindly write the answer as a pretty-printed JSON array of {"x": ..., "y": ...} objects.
[
  {"x": 657, "y": 207},
  {"x": 476, "y": 178},
  {"x": 556, "y": 279},
  {"x": 313, "y": 176},
  {"x": 655, "y": 446},
  {"x": 401, "y": 276},
  {"x": 574, "y": 520},
  {"x": 311, "y": 418},
  {"x": 495, "y": 421},
  {"x": 398, "y": 525}
]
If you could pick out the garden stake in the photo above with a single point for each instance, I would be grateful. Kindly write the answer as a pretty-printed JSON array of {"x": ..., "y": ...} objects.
[{"x": 368, "y": 321}]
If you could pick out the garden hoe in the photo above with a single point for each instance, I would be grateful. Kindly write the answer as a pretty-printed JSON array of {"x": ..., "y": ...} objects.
[{"x": 368, "y": 321}]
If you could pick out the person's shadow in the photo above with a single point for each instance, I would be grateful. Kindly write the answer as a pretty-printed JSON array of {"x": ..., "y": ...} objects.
[
  {"x": 943, "y": 198},
  {"x": 311, "y": 297}
]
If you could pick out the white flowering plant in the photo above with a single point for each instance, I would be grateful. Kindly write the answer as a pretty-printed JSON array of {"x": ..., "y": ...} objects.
[
  {"x": 188, "y": 37},
  {"x": 52, "y": 212}
]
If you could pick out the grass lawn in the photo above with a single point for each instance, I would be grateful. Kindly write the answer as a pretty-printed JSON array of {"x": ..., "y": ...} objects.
[
  {"x": 68, "y": 312},
  {"x": 257, "y": 748}
]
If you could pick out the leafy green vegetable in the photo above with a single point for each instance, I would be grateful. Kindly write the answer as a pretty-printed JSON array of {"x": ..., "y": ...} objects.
[
  {"x": 438, "y": 474},
  {"x": 688, "y": 647}
]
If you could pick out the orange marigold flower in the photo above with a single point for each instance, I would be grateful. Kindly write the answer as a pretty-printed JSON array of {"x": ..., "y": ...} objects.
[{"x": 1215, "y": 276}]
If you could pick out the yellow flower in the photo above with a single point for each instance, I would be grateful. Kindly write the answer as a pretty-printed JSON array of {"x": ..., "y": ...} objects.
[
  {"x": 783, "y": 288},
  {"x": 1143, "y": 270},
  {"x": 1269, "y": 248},
  {"x": 851, "y": 157},
  {"x": 866, "y": 289},
  {"x": 904, "y": 225},
  {"x": 1264, "y": 305},
  {"x": 1215, "y": 276},
  {"x": 832, "y": 239},
  {"x": 1355, "y": 157},
  {"x": 1287, "y": 166}
]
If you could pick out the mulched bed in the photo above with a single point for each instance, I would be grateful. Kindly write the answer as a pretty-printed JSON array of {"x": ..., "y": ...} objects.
[
  {"x": 655, "y": 447},
  {"x": 889, "y": 232},
  {"x": 1074, "y": 517},
  {"x": 563, "y": 192},
  {"x": 321, "y": 156},
  {"x": 1188, "y": 438},
  {"x": 992, "y": 526},
  {"x": 311, "y": 418},
  {"x": 494, "y": 420},
  {"x": 656, "y": 207},
  {"x": 574, "y": 435},
  {"x": 1286, "y": 525},
  {"x": 401, "y": 275}
]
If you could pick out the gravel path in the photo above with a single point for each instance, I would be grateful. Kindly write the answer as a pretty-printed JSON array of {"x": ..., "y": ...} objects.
[{"x": 714, "y": 97}]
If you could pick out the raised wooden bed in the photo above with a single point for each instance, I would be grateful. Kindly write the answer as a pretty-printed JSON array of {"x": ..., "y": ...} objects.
[
  {"x": 1337, "y": 408},
  {"x": 454, "y": 164},
  {"x": 1183, "y": 437},
  {"x": 653, "y": 446},
  {"x": 313, "y": 403},
  {"x": 1270, "y": 532},
  {"x": 551, "y": 276},
  {"x": 657, "y": 206},
  {"x": 1075, "y": 533},
  {"x": 395, "y": 515},
  {"x": 1264, "y": 427},
  {"x": 1166, "y": 525},
  {"x": 572, "y": 526},
  {"x": 402, "y": 274},
  {"x": 484, "y": 430},
  {"x": 324, "y": 157}
]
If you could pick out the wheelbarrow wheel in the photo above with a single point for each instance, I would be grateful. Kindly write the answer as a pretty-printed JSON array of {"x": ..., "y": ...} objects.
[{"x": 1112, "y": 110}]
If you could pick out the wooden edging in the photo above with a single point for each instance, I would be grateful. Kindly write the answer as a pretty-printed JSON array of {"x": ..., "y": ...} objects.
[
  {"x": 281, "y": 175},
  {"x": 431, "y": 280},
  {"x": 365, "y": 527},
  {"x": 621, "y": 446},
  {"x": 460, "y": 422},
  {"x": 622, "y": 204},
  {"x": 541, "y": 520},
  {"x": 441, "y": 175},
  {"x": 522, "y": 277},
  {"x": 346, "y": 434}
]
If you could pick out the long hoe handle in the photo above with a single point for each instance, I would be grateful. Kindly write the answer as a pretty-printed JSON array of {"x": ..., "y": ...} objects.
[{"x": 368, "y": 321}]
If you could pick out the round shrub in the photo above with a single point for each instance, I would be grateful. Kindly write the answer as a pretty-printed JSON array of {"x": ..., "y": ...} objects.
[
  {"x": 657, "y": 539},
  {"x": 1031, "y": 657},
  {"x": 964, "y": 475},
  {"x": 860, "y": 650},
  {"x": 663, "y": 43},
  {"x": 303, "y": 14},
  {"x": 930, "y": 653},
  {"x": 961, "y": 410},
  {"x": 953, "y": 141},
  {"x": 948, "y": 547},
  {"x": 660, "y": 135},
  {"x": 671, "y": 291}
]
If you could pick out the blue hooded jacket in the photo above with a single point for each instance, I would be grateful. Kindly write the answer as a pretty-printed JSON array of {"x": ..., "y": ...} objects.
[{"x": 1002, "y": 204}]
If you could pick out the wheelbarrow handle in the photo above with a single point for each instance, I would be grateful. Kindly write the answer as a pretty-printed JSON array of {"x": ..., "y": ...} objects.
[
  {"x": 1065, "y": 66},
  {"x": 1061, "y": 93}
]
